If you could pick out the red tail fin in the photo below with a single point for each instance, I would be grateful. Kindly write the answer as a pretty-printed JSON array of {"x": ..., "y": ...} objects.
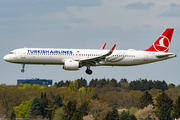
[{"x": 163, "y": 42}]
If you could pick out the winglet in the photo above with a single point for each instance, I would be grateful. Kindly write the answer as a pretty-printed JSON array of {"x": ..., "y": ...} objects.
[
  {"x": 102, "y": 48},
  {"x": 111, "y": 51}
]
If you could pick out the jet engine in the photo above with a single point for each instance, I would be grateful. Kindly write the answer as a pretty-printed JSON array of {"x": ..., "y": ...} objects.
[{"x": 72, "y": 65}]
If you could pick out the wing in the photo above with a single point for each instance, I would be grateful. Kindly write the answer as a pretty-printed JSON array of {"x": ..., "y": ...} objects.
[{"x": 95, "y": 61}]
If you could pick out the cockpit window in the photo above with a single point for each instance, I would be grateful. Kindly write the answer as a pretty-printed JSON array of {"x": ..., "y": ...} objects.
[{"x": 12, "y": 53}]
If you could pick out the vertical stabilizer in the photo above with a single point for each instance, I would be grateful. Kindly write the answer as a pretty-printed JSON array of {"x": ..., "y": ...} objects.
[{"x": 163, "y": 42}]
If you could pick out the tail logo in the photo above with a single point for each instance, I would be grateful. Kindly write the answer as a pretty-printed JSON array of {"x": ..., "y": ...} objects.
[{"x": 162, "y": 44}]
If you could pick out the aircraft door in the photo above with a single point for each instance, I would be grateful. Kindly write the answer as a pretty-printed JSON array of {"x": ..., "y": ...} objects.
[{"x": 23, "y": 53}]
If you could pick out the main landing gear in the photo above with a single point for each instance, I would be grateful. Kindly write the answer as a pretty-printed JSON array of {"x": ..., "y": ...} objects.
[
  {"x": 88, "y": 71},
  {"x": 23, "y": 66}
]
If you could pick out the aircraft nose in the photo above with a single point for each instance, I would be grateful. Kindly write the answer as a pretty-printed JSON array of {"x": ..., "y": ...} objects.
[{"x": 6, "y": 58}]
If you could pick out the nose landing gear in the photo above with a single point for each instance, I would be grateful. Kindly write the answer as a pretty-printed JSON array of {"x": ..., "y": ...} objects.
[{"x": 23, "y": 66}]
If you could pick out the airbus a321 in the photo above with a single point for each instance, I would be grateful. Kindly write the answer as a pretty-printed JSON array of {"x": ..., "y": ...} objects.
[{"x": 73, "y": 59}]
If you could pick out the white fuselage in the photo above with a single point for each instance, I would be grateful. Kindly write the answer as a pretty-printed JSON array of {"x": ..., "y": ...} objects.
[
  {"x": 73, "y": 59},
  {"x": 59, "y": 56}
]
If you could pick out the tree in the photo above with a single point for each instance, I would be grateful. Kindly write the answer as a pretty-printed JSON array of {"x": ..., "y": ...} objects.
[
  {"x": 160, "y": 85},
  {"x": 49, "y": 110},
  {"x": 113, "y": 82},
  {"x": 93, "y": 83},
  {"x": 101, "y": 83},
  {"x": 171, "y": 85},
  {"x": 176, "y": 108},
  {"x": 68, "y": 95},
  {"x": 73, "y": 86},
  {"x": 132, "y": 117},
  {"x": 22, "y": 110},
  {"x": 35, "y": 108},
  {"x": 163, "y": 106},
  {"x": 53, "y": 111},
  {"x": 76, "y": 86},
  {"x": 95, "y": 96},
  {"x": 58, "y": 114},
  {"x": 83, "y": 109},
  {"x": 66, "y": 84},
  {"x": 90, "y": 93},
  {"x": 70, "y": 108},
  {"x": 178, "y": 86},
  {"x": 147, "y": 85},
  {"x": 82, "y": 83},
  {"x": 154, "y": 92},
  {"x": 13, "y": 116},
  {"x": 10, "y": 96},
  {"x": 65, "y": 117},
  {"x": 123, "y": 80},
  {"x": 76, "y": 116},
  {"x": 98, "y": 109},
  {"x": 82, "y": 95},
  {"x": 53, "y": 105},
  {"x": 145, "y": 100},
  {"x": 112, "y": 114},
  {"x": 148, "y": 118},
  {"x": 56, "y": 84},
  {"x": 44, "y": 104},
  {"x": 58, "y": 100},
  {"x": 126, "y": 116},
  {"x": 133, "y": 98},
  {"x": 124, "y": 83}
]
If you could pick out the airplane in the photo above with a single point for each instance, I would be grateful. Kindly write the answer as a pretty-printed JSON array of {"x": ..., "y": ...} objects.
[{"x": 73, "y": 59}]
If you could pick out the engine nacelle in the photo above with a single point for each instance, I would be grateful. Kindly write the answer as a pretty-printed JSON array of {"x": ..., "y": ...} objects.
[{"x": 71, "y": 65}]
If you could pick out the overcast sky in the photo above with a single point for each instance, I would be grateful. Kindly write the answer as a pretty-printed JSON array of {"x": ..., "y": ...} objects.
[{"x": 88, "y": 24}]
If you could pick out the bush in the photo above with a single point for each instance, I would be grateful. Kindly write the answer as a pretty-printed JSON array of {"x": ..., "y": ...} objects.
[
  {"x": 126, "y": 116},
  {"x": 121, "y": 110},
  {"x": 133, "y": 110},
  {"x": 112, "y": 114},
  {"x": 58, "y": 114},
  {"x": 143, "y": 113}
]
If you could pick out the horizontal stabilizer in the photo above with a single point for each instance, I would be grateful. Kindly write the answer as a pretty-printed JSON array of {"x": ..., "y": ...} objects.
[{"x": 166, "y": 55}]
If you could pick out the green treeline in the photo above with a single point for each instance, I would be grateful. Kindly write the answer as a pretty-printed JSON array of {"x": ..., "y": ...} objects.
[
  {"x": 101, "y": 99},
  {"x": 112, "y": 84}
]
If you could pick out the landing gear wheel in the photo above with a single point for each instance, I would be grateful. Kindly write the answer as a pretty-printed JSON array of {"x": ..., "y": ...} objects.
[
  {"x": 23, "y": 66},
  {"x": 88, "y": 71},
  {"x": 22, "y": 70}
]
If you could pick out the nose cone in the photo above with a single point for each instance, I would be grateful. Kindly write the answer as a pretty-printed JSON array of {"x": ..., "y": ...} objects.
[{"x": 6, "y": 58}]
